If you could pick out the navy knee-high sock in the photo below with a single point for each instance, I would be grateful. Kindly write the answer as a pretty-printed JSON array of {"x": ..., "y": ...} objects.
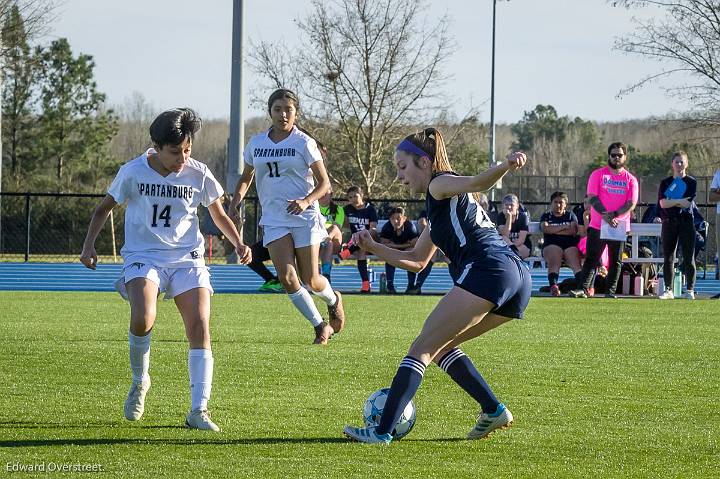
[
  {"x": 423, "y": 275},
  {"x": 553, "y": 278},
  {"x": 362, "y": 268},
  {"x": 463, "y": 372},
  {"x": 404, "y": 386}
]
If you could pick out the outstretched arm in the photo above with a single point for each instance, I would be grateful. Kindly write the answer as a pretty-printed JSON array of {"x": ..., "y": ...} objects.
[
  {"x": 448, "y": 186},
  {"x": 414, "y": 259},
  {"x": 88, "y": 257}
]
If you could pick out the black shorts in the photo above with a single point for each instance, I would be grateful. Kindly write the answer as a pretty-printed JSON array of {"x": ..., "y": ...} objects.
[
  {"x": 501, "y": 278},
  {"x": 563, "y": 243}
]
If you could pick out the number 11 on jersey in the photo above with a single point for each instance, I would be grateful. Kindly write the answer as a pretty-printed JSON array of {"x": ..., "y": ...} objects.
[
  {"x": 270, "y": 167},
  {"x": 164, "y": 215}
]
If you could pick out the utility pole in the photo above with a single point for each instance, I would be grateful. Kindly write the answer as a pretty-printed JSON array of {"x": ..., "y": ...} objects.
[{"x": 237, "y": 123}]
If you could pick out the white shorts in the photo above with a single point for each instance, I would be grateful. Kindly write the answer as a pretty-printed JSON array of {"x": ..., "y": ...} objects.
[
  {"x": 171, "y": 281},
  {"x": 302, "y": 235}
]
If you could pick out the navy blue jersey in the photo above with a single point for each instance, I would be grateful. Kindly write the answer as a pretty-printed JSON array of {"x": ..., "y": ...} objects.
[
  {"x": 563, "y": 220},
  {"x": 672, "y": 188},
  {"x": 360, "y": 218},
  {"x": 521, "y": 223},
  {"x": 407, "y": 232},
  {"x": 461, "y": 228}
]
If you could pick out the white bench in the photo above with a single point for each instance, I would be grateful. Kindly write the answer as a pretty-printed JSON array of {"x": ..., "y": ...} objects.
[{"x": 637, "y": 230}]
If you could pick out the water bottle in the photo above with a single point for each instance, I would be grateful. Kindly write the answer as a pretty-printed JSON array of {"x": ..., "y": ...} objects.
[
  {"x": 639, "y": 286},
  {"x": 677, "y": 283},
  {"x": 383, "y": 283},
  {"x": 626, "y": 283},
  {"x": 661, "y": 285}
]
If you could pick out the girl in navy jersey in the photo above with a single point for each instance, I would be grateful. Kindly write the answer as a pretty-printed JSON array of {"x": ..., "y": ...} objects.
[
  {"x": 360, "y": 216},
  {"x": 287, "y": 161},
  {"x": 514, "y": 226},
  {"x": 398, "y": 233},
  {"x": 491, "y": 283},
  {"x": 163, "y": 252},
  {"x": 560, "y": 228}
]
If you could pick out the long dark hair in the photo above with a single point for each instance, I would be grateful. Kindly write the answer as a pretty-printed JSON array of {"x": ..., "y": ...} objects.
[{"x": 281, "y": 93}]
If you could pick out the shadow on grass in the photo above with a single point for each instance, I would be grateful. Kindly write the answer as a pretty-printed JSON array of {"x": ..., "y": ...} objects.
[
  {"x": 170, "y": 442},
  {"x": 51, "y": 425}
]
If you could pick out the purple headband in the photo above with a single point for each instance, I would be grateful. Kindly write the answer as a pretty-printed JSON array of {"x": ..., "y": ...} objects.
[{"x": 409, "y": 147}]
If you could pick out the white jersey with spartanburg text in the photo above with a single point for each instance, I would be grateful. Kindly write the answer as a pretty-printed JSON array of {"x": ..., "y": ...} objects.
[
  {"x": 282, "y": 173},
  {"x": 161, "y": 222}
]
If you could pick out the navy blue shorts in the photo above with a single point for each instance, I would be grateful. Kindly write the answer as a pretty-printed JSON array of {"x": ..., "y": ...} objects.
[
  {"x": 501, "y": 278},
  {"x": 563, "y": 243}
]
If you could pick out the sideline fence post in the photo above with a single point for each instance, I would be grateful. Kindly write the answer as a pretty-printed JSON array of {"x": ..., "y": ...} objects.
[{"x": 27, "y": 227}]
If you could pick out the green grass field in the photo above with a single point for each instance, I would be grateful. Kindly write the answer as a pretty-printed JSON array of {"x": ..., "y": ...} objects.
[{"x": 599, "y": 388}]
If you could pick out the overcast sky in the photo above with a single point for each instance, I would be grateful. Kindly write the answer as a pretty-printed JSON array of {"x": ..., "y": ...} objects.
[{"x": 558, "y": 52}]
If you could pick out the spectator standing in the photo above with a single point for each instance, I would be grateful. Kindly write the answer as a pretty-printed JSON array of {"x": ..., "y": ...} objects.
[
  {"x": 676, "y": 196},
  {"x": 715, "y": 197},
  {"x": 612, "y": 193}
]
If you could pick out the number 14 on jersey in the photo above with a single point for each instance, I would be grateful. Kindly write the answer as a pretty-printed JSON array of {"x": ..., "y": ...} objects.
[{"x": 164, "y": 215}]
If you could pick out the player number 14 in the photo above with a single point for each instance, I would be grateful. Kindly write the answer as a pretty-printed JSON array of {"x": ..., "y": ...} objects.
[{"x": 164, "y": 215}]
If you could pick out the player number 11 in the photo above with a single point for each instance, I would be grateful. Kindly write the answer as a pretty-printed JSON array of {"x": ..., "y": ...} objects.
[{"x": 270, "y": 167}]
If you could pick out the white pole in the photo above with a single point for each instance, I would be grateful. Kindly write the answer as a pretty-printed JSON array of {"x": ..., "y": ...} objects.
[{"x": 491, "y": 153}]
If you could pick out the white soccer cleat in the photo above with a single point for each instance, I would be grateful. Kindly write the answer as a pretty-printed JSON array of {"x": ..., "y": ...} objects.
[
  {"x": 668, "y": 294},
  {"x": 200, "y": 419},
  {"x": 366, "y": 435},
  {"x": 487, "y": 424},
  {"x": 135, "y": 402},
  {"x": 688, "y": 295}
]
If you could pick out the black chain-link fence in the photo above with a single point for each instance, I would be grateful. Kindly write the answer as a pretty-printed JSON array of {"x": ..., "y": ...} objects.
[{"x": 52, "y": 227}]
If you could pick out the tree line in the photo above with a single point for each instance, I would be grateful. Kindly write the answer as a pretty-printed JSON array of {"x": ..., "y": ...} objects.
[{"x": 56, "y": 128}]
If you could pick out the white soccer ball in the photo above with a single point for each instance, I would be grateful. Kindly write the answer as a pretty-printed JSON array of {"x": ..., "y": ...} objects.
[{"x": 373, "y": 409}]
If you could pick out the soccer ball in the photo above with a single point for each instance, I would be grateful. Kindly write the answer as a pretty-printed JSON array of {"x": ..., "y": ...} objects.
[{"x": 373, "y": 409}]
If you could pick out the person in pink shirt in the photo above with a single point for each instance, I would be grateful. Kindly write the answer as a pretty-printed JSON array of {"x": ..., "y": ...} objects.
[{"x": 612, "y": 193}]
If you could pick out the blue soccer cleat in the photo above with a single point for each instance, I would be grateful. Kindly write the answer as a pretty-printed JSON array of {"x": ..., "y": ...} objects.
[{"x": 367, "y": 435}]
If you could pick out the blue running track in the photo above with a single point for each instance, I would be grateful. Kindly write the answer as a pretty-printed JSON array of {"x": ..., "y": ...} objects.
[{"x": 229, "y": 278}]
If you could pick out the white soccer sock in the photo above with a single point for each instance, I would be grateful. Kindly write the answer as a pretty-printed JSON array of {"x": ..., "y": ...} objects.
[
  {"x": 305, "y": 304},
  {"x": 139, "y": 356},
  {"x": 200, "y": 366},
  {"x": 327, "y": 294}
]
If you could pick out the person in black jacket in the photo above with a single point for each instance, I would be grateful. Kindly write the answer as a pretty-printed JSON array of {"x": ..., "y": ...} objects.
[{"x": 676, "y": 196}]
